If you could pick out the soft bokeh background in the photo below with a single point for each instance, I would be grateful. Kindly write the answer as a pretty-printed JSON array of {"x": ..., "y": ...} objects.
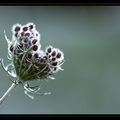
[{"x": 90, "y": 39}]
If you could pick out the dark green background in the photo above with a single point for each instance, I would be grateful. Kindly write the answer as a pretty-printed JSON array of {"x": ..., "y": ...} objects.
[{"x": 90, "y": 39}]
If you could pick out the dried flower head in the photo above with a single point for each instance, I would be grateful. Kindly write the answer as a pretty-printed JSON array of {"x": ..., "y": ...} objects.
[{"x": 28, "y": 61}]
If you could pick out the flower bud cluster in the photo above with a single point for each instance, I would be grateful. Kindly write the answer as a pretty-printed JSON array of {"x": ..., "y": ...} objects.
[{"x": 29, "y": 60}]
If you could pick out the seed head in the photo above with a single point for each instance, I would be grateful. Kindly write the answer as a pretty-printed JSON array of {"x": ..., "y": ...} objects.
[{"x": 28, "y": 61}]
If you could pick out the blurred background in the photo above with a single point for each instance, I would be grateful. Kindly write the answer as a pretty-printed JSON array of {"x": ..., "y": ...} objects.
[{"x": 90, "y": 39}]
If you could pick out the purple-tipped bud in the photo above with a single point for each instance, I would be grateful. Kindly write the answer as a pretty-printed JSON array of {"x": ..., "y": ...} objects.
[
  {"x": 45, "y": 57},
  {"x": 17, "y": 28},
  {"x": 53, "y": 59},
  {"x": 25, "y": 28},
  {"x": 54, "y": 64},
  {"x": 34, "y": 41},
  {"x": 31, "y": 26},
  {"x": 27, "y": 34},
  {"x": 58, "y": 55},
  {"x": 36, "y": 55},
  {"x": 53, "y": 53},
  {"x": 49, "y": 50},
  {"x": 35, "y": 47},
  {"x": 26, "y": 40}
]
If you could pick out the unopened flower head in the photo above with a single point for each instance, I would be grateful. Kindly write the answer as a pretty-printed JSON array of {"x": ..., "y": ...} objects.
[{"x": 30, "y": 62}]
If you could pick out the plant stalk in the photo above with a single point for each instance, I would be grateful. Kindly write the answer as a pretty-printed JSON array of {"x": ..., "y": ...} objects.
[{"x": 7, "y": 93}]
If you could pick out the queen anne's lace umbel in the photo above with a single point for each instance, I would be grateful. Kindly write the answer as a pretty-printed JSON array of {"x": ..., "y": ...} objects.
[{"x": 28, "y": 61}]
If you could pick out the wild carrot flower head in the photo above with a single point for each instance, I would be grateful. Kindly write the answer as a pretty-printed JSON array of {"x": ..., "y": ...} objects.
[{"x": 28, "y": 61}]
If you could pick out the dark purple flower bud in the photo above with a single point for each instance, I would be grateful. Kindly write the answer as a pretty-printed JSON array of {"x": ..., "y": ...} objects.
[
  {"x": 45, "y": 57},
  {"x": 31, "y": 37},
  {"x": 36, "y": 55},
  {"x": 49, "y": 50},
  {"x": 26, "y": 40},
  {"x": 58, "y": 55},
  {"x": 53, "y": 59},
  {"x": 25, "y": 28},
  {"x": 53, "y": 53},
  {"x": 27, "y": 34},
  {"x": 54, "y": 64},
  {"x": 31, "y": 26},
  {"x": 35, "y": 47},
  {"x": 17, "y": 28},
  {"x": 29, "y": 55},
  {"x": 34, "y": 41}
]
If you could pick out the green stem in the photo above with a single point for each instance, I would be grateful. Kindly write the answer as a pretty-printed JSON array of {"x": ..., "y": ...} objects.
[{"x": 7, "y": 93}]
